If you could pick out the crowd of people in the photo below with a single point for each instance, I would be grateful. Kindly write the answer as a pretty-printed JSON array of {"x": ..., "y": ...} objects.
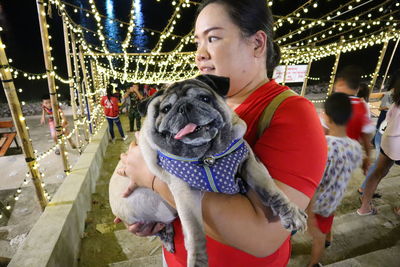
[
  {"x": 310, "y": 159},
  {"x": 114, "y": 103}
]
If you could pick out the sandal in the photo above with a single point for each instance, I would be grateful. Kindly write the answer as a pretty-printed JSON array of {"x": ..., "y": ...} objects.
[{"x": 373, "y": 211}]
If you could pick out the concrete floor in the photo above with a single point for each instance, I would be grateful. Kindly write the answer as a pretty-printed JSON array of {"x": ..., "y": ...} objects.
[{"x": 14, "y": 167}]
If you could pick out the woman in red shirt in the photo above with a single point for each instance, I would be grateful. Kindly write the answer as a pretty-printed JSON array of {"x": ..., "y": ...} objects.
[
  {"x": 234, "y": 39},
  {"x": 110, "y": 105}
]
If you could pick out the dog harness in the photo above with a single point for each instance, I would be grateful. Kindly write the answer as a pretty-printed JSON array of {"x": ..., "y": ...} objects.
[{"x": 212, "y": 174}]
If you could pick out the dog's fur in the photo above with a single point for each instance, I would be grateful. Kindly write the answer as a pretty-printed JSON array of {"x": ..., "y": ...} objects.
[{"x": 200, "y": 101}]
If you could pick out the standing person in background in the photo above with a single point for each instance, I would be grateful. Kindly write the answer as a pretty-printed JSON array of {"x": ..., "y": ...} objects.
[
  {"x": 389, "y": 152},
  {"x": 344, "y": 155},
  {"x": 152, "y": 90},
  {"x": 149, "y": 90},
  {"x": 234, "y": 39},
  {"x": 132, "y": 98},
  {"x": 385, "y": 104},
  {"x": 111, "y": 111},
  {"x": 360, "y": 126},
  {"x": 47, "y": 112},
  {"x": 386, "y": 101}
]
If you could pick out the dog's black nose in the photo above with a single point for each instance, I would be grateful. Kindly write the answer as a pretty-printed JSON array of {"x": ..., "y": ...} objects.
[{"x": 185, "y": 108}]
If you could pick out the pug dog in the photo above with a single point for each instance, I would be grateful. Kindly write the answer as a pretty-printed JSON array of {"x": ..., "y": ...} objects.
[{"x": 193, "y": 141}]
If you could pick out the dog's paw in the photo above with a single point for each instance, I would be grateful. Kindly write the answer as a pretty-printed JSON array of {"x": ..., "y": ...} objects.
[
  {"x": 167, "y": 237},
  {"x": 295, "y": 219},
  {"x": 169, "y": 246}
]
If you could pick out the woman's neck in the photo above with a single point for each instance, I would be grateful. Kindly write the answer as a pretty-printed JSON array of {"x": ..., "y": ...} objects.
[{"x": 235, "y": 100}]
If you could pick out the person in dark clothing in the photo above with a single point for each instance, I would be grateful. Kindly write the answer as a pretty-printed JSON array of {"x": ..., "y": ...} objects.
[{"x": 132, "y": 98}]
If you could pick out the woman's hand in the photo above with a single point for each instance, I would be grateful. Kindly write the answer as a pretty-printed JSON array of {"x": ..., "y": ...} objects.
[
  {"x": 135, "y": 168},
  {"x": 140, "y": 176},
  {"x": 141, "y": 229}
]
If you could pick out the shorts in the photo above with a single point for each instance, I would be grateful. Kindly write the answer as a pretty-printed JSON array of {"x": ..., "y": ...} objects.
[
  {"x": 324, "y": 223},
  {"x": 396, "y": 161}
]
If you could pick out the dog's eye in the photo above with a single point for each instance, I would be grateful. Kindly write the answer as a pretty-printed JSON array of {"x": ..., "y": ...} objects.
[
  {"x": 166, "y": 109},
  {"x": 205, "y": 99}
]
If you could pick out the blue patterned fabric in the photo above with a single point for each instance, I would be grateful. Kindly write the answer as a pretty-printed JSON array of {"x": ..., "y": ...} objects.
[{"x": 212, "y": 174}]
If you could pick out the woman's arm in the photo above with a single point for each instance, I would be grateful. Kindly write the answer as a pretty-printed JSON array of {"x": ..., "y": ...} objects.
[
  {"x": 236, "y": 220},
  {"x": 241, "y": 221}
]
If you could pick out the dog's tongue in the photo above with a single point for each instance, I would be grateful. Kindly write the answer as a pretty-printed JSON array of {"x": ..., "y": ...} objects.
[{"x": 189, "y": 128}]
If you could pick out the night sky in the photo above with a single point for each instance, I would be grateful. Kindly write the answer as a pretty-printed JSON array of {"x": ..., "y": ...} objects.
[{"x": 22, "y": 37}]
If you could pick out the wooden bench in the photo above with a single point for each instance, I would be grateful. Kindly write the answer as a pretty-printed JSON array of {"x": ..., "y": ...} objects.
[{"x": 6, "y": 138}]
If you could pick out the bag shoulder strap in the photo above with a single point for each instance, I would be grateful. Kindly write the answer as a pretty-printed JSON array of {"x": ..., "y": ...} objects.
[{"x": 268, "y": 113}]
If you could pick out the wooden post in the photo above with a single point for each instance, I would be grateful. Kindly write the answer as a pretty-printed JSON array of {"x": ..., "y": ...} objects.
[
  {"x": 334, "y": 69},
  {"x": 71, "y": 83},
  {"x": 303, "y": 89},
  {"x": 20, "y": 125},
  {"x": 86, "y": 90},
  {"x": 378, "y": 66},
  {"x": 51, "y": 82},
  {"x": 96, "y": 87},
  {"x": 390, "y": 62},
  {"x": 82, "y": 101}
]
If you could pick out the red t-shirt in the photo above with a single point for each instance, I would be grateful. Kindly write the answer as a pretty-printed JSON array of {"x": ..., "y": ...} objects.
[
  {"x": 152, "y": 91},
  {"x": 293, "y": 149},
  {"x": 359, "y": 122},
  {"x": 111, "y": 109}
]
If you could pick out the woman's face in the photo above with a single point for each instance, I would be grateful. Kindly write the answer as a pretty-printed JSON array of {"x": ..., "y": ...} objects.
[{"x": 222, "y": 50}]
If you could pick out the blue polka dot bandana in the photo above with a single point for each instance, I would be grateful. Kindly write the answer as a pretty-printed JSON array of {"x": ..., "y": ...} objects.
[{"x": 213, "y": 174}]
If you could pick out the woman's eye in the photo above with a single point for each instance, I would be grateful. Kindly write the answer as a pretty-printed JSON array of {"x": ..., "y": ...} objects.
[
  {"x": 212, "y": 39},
  {"x": 166, "y": 109}
]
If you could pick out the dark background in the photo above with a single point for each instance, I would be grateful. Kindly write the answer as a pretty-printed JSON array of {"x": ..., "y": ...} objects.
[{"x": 22, "y": 37}]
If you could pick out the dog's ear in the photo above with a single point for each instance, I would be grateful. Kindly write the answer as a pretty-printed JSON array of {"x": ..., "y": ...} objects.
[
  {"x": 142, "y": 106},
  {"x": 218, "y": 83}
]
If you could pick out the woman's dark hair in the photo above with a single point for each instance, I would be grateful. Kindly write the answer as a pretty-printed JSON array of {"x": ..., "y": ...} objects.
[
  {"x": 251, "y": 16},
  {"x": 338, "y": 108},
  {"x": 363, "y": 92},
  {"x": 110, "y": 89}
]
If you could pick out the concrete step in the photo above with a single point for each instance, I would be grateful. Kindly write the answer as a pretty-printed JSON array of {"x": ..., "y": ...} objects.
[
  {"x": 353, "y": 235},
  {"x": 388, "y": 257},
  {"x": 150, "y": 261}
]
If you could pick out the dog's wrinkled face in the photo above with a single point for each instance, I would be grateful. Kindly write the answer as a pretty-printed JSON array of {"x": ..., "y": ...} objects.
[{"x": 190, "y": 120}]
